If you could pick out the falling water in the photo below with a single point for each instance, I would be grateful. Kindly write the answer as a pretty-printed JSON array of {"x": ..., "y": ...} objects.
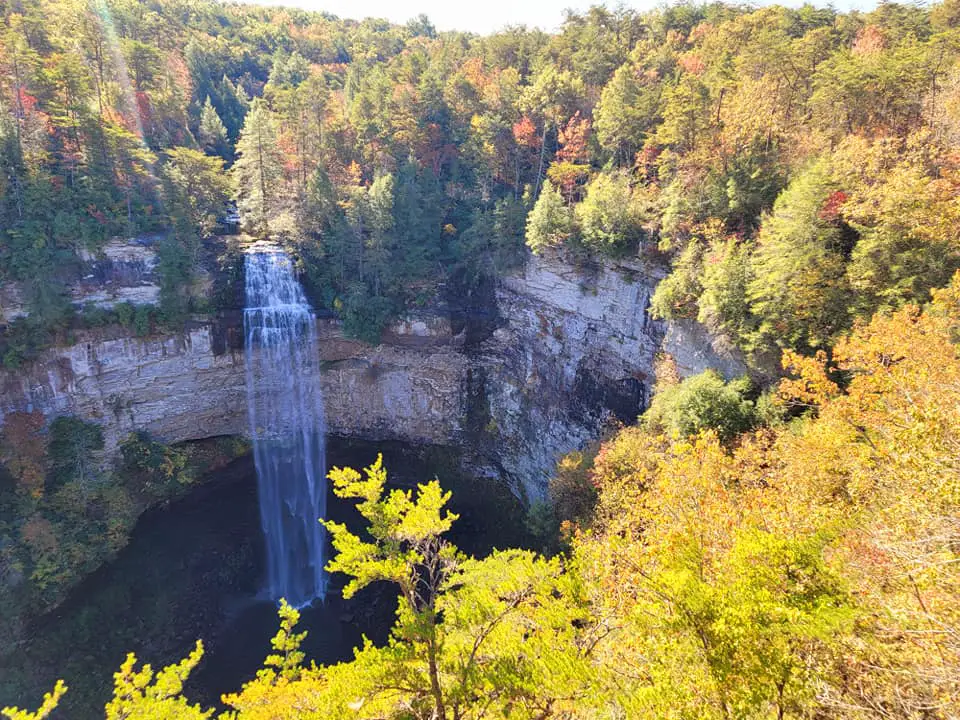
[{"x": 287, "y": 425}]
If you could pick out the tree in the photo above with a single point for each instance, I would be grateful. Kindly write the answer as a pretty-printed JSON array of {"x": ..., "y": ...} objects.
[
  {"x": 612, "y": 215},
  {"x": 626, "y": 113},
  {"x": 729, "y": 615},
  {"x": 258, "y": 169},
  {"x": 473, "y": 638},
  {"x": 686, "y": 115},
  {"x": 702, "y": 402},
  {"x": 798, "y": 287},
  {"x": 900, "y": 200},
  {"x": 23, "y": 451},
  {"x": 50, "y": 702},
  {"x": 212, "y": 133},
  {"x": 550, "y": 223},
  {"x": 197, "y": 189},
  {"x": 381, "y": 196},
  {"x": 72, "y": 448},
  {"x": 723, "y": 305},
  {"x": 553, "y": 95},
  {"x": 145, "y": 695},
  {"x": 677, "y": 295}
]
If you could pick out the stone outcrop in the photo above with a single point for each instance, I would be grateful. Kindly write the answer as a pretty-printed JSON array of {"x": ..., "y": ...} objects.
[
  {"x": 177, "y": 387},
  {"x": 574, "y": 353},
  {"x": 123, "y": 270},
  {"x": 570, "y": 349},
  {"x": 695, "y": 350}
]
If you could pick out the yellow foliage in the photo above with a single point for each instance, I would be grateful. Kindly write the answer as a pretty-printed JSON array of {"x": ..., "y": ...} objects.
[
  {"x": 865, "y": 495},
  {"x": 145, "y": 695},
  {"x": 50, "y": 702}
]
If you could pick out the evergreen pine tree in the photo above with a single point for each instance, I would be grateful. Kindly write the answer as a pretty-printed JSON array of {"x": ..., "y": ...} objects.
[
  {"x": 550, "y": 222},
  {"x": 258, "y": 169},
  {"x": 212, "y": 133}
]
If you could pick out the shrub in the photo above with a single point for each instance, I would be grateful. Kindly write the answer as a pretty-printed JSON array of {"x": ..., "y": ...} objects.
[{"x": 703, "y": 402}]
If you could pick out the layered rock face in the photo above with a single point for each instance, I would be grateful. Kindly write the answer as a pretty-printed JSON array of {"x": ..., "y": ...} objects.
[
  {"x": 575, "y": 352},
  {"x": 192, "y": 385},
  {"x": 572, "y": 349},
  {"x": 125, "y": 270}
]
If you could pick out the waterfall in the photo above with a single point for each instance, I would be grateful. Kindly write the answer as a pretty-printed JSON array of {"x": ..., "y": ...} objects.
[{"x": 285, "y": 405}]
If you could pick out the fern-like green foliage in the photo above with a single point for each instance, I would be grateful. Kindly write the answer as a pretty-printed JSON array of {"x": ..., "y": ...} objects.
[
  {"x": 493, "y": 637},
  {"x": 287, "y": 659},
  {"x": 401, "y": 528}
]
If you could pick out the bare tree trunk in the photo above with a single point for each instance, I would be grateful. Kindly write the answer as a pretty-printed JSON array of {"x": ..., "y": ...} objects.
[
  {"x": 543, "y": 150},
  {"x": 263, "y": 180}
]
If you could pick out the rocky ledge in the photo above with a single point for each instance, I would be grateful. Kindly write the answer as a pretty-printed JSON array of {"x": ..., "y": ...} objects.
[{"x": 572, "y": 349}]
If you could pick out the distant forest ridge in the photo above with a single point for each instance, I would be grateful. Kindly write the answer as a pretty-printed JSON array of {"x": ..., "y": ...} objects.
[{"x": 795, "y": 167}]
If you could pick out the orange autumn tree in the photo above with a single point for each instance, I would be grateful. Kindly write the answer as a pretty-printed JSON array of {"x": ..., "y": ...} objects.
[
  {"x": 23, "y": 451},
  {"x": 571, "y": 167}
]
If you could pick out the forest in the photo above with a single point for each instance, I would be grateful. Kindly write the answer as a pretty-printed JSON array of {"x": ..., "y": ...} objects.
[{"x": 782, "y": 545}]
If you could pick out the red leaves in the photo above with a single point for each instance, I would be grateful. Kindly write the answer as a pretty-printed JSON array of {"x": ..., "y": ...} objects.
[
  {"x": 573, "y": 139},
  {"x": 691, "y": 63},
  {"x": 26, "y": 101},
  {"x": 525, "y": 133},
  {"x": 831, "y": 207},
  {"x": 144, "y": 111}
]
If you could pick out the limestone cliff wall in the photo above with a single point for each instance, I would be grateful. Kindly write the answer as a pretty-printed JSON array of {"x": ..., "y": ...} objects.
[
  {"x": 178, "y": 388},
  {"x": 571, "y": 351},
  {"x": 574, "y": 353}
]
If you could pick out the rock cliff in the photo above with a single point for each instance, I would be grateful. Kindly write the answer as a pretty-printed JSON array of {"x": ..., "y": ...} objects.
[
  {"x": 571, "y": 350},
  {"x": 184, "y": 387},
  {"x": 575, "y": 352}
]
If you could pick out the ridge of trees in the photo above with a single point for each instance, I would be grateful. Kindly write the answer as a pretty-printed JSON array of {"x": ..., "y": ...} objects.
[{"x": 743, "y": 146}]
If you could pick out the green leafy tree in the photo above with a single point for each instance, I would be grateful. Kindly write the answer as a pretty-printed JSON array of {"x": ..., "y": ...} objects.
[
  {"x": 473, "y": 638},
  {"x": 723, "y": 305},
  {"x": 550, "y": 222},
  {"x": 703, "y": 402},
  {"x": 686, "y": 114},
  {"x": 611, "y": 216},
  {"x": 628, "y": 110},
  {"x": 196, "y": 190},
  {"x": 798, "y": 288},
  {"x": 381, "y": 224},
  {"x": 677, "y": 294},
  {"x": 212, "y": 133},
  {"x": 902, "y": 207},
  {"x": 73, "y": 448},
  {"x": 287, "y": 660}
]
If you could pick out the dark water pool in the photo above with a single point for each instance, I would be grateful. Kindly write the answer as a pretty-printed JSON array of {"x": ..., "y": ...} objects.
[{"x": 194, "y": 570}]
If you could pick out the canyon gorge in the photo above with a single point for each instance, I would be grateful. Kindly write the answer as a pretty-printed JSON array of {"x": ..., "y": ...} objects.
[
  {"x": 521, "y": 374},
  {"x": 501, "y": 383}
]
